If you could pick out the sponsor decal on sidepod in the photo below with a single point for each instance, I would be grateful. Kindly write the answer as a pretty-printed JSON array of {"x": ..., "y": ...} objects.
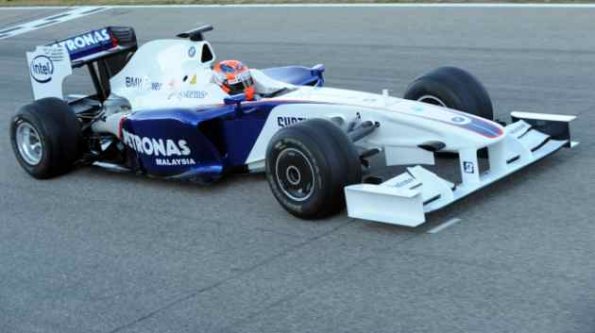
[
  {"x": 287, "y": 121},
  {"x": 159, "y": 147}
]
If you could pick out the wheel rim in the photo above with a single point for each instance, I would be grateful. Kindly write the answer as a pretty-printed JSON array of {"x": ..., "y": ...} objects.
[
  {"x": 430, "y": 99},
  {"x": 29, "y": 143},
  {"x": 294, "y": 174}
]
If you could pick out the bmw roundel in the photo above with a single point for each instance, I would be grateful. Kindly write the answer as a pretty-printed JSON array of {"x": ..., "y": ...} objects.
[
  {"x": 192, "y": 52},
  {"x": 460, "y": 120}
]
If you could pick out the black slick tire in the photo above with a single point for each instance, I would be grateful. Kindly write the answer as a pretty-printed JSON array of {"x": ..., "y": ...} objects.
[
  {"x": 59, "y": 134},
  {"x": 308, "y": 165}
]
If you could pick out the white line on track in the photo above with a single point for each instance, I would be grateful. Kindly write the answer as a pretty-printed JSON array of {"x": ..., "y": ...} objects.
[
  {"x": 351, "y": 5},
  {"x": 444, "y": 225},
  {"x": 72, "y": 14}
]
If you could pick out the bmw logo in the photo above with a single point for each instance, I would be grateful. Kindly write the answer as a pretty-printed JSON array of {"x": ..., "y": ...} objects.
[
  {"x": 458, "y": 119},
  {"x": 192, "y": 52}
]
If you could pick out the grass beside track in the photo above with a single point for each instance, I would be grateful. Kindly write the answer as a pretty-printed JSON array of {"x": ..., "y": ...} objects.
[{"x": 212, "y": 2}]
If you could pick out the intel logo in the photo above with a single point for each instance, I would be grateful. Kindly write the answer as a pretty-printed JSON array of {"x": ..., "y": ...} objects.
[{"x": 42, "y": 69}]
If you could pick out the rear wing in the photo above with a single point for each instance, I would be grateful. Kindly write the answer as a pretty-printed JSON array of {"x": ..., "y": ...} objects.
[{"x": 104, "y": 51}]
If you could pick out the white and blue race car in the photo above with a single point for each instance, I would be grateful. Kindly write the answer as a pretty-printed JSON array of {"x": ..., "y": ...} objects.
[{"x": 157, "y": 110}]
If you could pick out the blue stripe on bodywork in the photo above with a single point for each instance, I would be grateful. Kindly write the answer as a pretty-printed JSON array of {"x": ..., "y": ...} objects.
[
  {"x": 484, "y": 127},
  {"x": 242, "y": 132}
]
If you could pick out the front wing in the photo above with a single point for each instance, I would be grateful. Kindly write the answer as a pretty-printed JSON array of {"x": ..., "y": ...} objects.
[{"x": 405, "y": 199}]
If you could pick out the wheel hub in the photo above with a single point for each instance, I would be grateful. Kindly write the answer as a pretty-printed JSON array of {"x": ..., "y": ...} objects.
[
  {"x": 29, "y": 143},
  {"x": 295, "y": 174}
]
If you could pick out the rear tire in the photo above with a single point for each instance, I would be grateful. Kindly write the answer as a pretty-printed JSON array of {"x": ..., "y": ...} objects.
[
  {"x": 308, "y": 165},
  {"x": 453, "y": 88},
  {"x": 46, "y": 138}
]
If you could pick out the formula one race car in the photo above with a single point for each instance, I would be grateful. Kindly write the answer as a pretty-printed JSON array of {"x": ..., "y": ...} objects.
[{"x": 159, "y": 109}]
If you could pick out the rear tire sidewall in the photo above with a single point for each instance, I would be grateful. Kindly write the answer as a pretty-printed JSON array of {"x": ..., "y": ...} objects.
[
  {"x": 59, "y": 132},
  {"x": 41, "y": 169}
]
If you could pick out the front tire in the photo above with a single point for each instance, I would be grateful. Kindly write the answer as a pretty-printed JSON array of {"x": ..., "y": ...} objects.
[
  {"x": 308, "y": 165},
  {"x": 46, "y": 138},
  {"x": 453, "y": 88}
]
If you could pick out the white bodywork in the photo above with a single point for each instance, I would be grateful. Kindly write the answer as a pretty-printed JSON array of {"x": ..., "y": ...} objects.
[{"x": 170, "y": 73}]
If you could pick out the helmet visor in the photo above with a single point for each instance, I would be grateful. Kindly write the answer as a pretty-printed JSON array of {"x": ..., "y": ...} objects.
[{"x": 240, "y": 87}]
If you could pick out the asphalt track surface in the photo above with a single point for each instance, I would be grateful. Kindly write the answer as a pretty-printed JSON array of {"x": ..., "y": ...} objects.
[{"x": 96, "y": 251}]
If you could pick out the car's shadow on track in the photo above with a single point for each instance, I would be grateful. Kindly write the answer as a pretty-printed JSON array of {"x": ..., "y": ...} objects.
[
  {"x": 243, "y": 185},
  {"x": 198, "y": 184}
]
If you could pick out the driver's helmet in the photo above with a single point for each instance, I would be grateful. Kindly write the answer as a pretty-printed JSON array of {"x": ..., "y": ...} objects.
[{"x": 234, "y": 78}]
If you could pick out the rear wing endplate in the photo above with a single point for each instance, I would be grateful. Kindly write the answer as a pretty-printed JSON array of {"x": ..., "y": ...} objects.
[
  {"x": 48, "y": 67},
  {"x": 50, "y": 64}
]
